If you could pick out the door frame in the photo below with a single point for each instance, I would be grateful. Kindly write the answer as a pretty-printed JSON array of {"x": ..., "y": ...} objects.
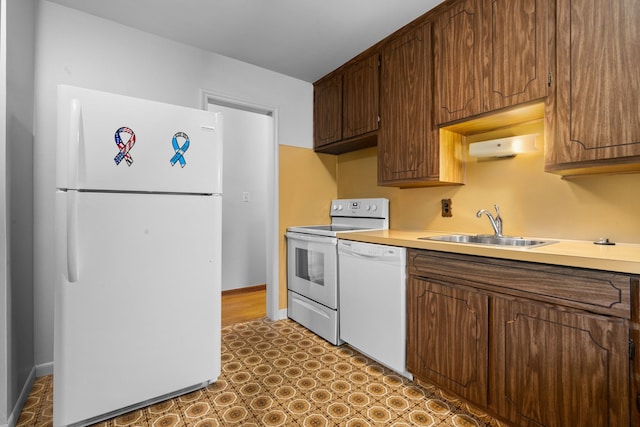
[{"x": 272, "y": 241}]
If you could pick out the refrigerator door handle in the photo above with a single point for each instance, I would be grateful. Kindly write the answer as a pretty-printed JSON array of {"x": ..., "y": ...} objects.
[
  {"x": 75, "y": 121},
  {"x": 72, "y": 236}
]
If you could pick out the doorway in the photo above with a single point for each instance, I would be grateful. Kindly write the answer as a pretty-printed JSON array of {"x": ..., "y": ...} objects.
[{"x": 250, "y": 207}]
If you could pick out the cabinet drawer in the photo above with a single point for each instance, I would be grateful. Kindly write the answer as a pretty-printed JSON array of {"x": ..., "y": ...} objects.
[{"x": 595, "y": 291}]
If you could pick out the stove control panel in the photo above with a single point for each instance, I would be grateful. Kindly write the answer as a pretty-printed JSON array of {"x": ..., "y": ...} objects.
[{"x": 366, "y": 208}]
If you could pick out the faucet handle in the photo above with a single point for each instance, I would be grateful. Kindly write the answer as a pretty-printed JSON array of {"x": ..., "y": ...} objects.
[{"x": 497, "y": 210}]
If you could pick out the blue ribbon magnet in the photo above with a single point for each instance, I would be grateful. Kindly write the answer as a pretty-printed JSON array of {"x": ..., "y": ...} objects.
[{"x": 180, "y": 150}]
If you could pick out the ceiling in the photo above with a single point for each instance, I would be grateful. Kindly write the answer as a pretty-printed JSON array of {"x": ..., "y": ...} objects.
[{"x": 304, "y": 39}]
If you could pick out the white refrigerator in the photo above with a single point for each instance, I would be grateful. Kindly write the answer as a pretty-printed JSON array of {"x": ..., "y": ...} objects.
[{"x": 138, "y": 248}]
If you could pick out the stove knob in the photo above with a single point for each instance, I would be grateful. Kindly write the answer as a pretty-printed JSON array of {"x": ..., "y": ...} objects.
[
  {"x": 335, "y": 207},
  {"x": 374, "y": 208},
  {"x": 368, "y": 207},
  {"x": 339, "y": 207}
]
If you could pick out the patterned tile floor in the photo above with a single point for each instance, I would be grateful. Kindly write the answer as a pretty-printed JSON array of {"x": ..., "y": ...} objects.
[{"x": 280, "y": 374}]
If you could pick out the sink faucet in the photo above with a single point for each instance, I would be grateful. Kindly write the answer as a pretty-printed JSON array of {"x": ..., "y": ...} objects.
[{"x": 496, "y": 222}]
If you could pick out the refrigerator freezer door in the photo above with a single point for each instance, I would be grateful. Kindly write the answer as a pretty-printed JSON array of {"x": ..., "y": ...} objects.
[
  {"x": 139, "y": 316},
  {"x": 118, "y": 143}
]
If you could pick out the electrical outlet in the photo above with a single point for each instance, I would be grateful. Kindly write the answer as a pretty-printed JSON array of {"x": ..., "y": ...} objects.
[
  {"x": 446, "y": 208},
  {"x": 245, "y": 196}
]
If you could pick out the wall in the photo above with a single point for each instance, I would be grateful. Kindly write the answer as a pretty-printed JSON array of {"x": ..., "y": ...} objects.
[
  {"x": 82, "y": 50},
  {"x": 4, "y": 258},
  {"x": 248, "y": 137},
  {"x": 307, "y": 186},
  {"x": 18, "y": 32},
  {"x": 532, "y": 202}
]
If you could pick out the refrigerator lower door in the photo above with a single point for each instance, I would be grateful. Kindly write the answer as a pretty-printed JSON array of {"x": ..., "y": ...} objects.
[{"x": 137, "y": 301}]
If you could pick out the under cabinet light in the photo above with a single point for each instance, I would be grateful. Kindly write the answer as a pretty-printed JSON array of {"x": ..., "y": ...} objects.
[{"x": 504, "y": 147}]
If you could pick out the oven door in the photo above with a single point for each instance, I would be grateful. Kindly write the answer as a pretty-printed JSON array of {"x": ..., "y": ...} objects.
[{"x": 312, "y": 267}]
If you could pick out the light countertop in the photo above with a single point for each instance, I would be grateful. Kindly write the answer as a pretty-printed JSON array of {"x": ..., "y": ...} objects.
[{"x": 622, "y": 257}]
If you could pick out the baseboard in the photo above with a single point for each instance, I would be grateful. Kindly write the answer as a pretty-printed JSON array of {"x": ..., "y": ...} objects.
[
  {"x": 244, "y": 290},
  {"x": 282, "y": 314},
  {"x": 17, "y": 409},
  {"x": 44, "y": 369}
]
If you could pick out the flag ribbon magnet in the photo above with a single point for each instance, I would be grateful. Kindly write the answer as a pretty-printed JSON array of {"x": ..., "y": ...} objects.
[
  {"x": 124, "y": 147},
  {"x": 178, "y": 157}
]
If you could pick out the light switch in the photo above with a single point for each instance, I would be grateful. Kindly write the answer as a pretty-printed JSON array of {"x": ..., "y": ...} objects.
[{"x": 245, "y": 196}]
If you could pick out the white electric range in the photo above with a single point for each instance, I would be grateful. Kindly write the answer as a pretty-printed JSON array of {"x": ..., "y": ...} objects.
[{"x": 312, "y": 263}]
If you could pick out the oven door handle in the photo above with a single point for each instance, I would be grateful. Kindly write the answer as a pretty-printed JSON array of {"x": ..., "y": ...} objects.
[{"x": 311, "y": 239}]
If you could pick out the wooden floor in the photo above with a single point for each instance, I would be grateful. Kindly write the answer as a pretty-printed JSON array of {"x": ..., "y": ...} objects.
[{"x": 244, "y": 304}]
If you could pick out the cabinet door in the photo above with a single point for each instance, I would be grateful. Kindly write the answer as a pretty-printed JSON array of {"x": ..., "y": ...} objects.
[
  {"x": 634, "y": 331},
  {"x": 327, "y": 111},
  {"x": 515, "y": 52},
  {"x": 447, "y": 337},
  {"x": 401, "y": 143},
  {"x": 554, "y": 368},
  {"x": 360, "y": 97},
  {"x": 593, "y": 116},
  {"x": 458, "y": 61}
]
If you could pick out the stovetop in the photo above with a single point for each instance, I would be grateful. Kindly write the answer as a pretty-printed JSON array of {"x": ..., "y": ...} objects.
[
  {"x": 326, "y": 230},
  {"x": 351, "y": 215}
]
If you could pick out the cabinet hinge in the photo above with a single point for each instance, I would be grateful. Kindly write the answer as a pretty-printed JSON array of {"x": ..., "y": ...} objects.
[
  {"x": 632, "y": 350},
  {"x": 549, "y": 79},
  {"x": 378, "y": 119}
]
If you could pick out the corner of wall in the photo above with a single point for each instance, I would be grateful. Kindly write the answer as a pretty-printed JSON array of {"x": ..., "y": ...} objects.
[{"x": 308, "y": 183}]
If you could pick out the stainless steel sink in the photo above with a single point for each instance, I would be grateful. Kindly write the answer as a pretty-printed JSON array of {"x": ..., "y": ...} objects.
[{"x": 486, "y": 239}]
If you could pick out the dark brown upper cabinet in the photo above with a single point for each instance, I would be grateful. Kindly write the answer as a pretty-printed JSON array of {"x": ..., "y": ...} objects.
[
  {"x": 360, "y": 109},
  {"x": 489, "y": 55},
  {"x": 327, "y": 111},
  {"x": 457, "y": 53},
  {"x": 515, "y": 48},
  {"x": 592, "y": 118},
  {"x": 411, "y": 151},
  {"x": 402, "y": 144},
  {"x": 346, "y": 107}
]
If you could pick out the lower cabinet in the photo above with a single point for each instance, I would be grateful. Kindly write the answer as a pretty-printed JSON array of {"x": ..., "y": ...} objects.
[
  {"x": 553, "y": 368},
  {"x": 518, "y": 341},
  {"x": 635, "y": 375},
  {"x": 447, "y": 337}
]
